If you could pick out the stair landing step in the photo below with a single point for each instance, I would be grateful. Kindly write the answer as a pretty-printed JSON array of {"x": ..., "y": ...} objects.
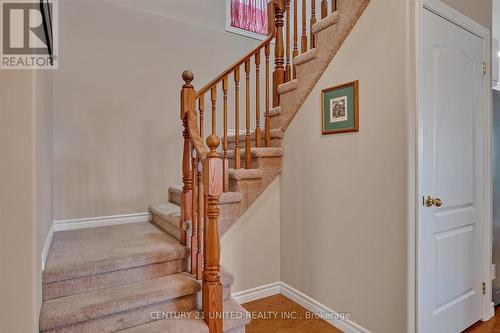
[
  {"x": 84, "y": 307},
  {"x": 194, "y": 324},
  {"x": 87, "y": 252}
]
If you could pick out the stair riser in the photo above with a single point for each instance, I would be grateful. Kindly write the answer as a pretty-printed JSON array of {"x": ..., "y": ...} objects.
[
  {"x": 253, "y": 164},
  {"x": 171, "y": 229},
  {"x": 131, "y": 318},
  {"x": 113, "y": 279},
  {"x": 250, "y": 189},
  {"x": 270, "y": 166},
  {"x": 174, "y": 197},
  {"x": 276, "y": 122}
]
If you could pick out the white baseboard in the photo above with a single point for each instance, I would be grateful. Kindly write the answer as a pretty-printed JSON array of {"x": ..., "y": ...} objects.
[
  {"x": 300, "y": 298},
  {"x": 491, "y": 311},
  {"x": 253, "y": 294},
  {"x": 102, "y": 221},
  {"x": 46, "y": 246}
]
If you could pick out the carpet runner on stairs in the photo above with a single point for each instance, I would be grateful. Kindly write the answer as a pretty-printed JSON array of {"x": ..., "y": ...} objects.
[{"x": 120, "y": 277}]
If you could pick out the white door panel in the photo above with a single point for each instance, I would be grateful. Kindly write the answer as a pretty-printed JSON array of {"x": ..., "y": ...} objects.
[{"x": 449, "y": 286}]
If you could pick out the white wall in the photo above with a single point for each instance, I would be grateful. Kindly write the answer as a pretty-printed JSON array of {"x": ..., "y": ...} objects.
[
  {"x": 343, "y": 197},
  {"x": 478, "y": 10},
  {"x": 250, "y": 250},
  {"x": 25, "y": 194},
  {"x": 117, "y": 132}
]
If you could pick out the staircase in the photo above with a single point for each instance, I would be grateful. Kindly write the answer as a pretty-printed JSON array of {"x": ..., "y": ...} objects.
[{"x": 165, "y": 276}]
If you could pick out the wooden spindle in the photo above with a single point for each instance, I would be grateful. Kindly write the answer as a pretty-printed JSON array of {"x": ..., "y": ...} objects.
[
  {"x": 194, "y": 210},
  {"x": 312, "y": 37},
  {"x": 226, "y": 163},
  {"x": 268, "y": 116},
  {"x": 279, "y": 70},
  {"x": 248, "y": 139},
  {"x": 295, "y": 36},
  {"x": 288, "y": 71},
  {"x": 201, "y": 220},
  {"x": 304, "y": 27},
  {"x": 201, "y": 107},
  {"x": 188, "y": 105},
  {"x": 257, "y": 100},
  {"x": 213, "y": 96},
  {"x": 212, "y": 286},
  {"x": 334, "y": 6},
  {"x": 237, "y": 118},
  {"x": 324, "y": 8}
]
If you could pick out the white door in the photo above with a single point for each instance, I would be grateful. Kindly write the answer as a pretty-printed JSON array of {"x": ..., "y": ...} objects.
[{"x": 449, "y": 281}]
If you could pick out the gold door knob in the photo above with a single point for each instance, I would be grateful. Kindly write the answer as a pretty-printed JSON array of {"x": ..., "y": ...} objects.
[{"x": 430, "y": 201}]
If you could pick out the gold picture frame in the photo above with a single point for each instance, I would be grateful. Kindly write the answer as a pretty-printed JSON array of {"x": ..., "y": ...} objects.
[{"x": 340, "y": 108}]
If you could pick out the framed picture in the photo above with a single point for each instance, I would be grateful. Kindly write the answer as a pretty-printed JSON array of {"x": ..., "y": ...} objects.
[{"x": 340, "y": 108}]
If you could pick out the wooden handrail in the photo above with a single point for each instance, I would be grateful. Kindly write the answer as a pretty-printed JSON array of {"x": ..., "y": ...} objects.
[
  {"x": 205, "y": 170},
  {"x": 241, "y": 61}
]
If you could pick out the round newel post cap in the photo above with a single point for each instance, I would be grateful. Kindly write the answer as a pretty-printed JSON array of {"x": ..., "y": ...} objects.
[
  {"x": 187, "y": 76},
  {"x": 213, "y": 142}
]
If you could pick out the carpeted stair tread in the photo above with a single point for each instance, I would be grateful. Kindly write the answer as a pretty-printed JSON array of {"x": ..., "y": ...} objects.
[
  {"x": 326, "y": 22},
  {"x": 83, "y": 307},
  {"x": 194, "y": 324},
  {"x": 274, "y": 112},
  {"x": 259, "y": 152},
  {"x": 305, "y": 57},
  {"x": 288, "y": 86},
  {"x": 167, "y": 216},
  {"x": 86, "y": 252},
  {"x": 245, "y": 174},
  {"x": 225, "y": 198}
]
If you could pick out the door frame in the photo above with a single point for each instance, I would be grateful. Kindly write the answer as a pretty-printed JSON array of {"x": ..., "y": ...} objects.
[{"x": 415, "y": 149}]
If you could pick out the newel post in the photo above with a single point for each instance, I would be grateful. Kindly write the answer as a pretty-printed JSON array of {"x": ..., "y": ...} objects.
[
  {"x": 212, "y": 287},
  {"x": 279, "y": 68},
  {"x": 188, "y": 104}
]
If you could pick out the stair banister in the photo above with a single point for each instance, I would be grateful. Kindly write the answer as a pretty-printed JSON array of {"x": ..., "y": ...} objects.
[
  {"x": 205, "y": 171},
  {"x": 212, "y": 174}
]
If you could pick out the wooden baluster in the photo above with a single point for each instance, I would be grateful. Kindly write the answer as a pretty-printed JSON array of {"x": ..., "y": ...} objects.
[
  {"x": 304, "y": 29},
  {"x": 226, "y": 163},
  {"x": 258, "y": 138},
  {"x": 237, "y": 118},
  {"x": 248, "y": 139},
  {"x": 194, "y": 210},
  {"x": 188, "y": 104},
  {"x": 201, "y": 107},
  {"x": 324, "y": 8},
  {"x": 201, "y": 194},
  {"x": 334, "y": 6},
  {"x": 288, "y": 72},
  {"x": 268, "y": 116},
  {"x": 201, "y": 221},
  {"x": 279, "y": 71},
  {"x": 212, "y": 286},
  {"x": 295, "y": 36},
  {"x": 213, "y": 96},
  {"x": 313, "y": 22}
]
